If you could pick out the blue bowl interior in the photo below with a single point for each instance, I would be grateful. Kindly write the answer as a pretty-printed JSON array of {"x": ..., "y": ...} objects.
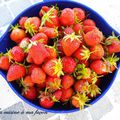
[{"x": 5, "y": 42}]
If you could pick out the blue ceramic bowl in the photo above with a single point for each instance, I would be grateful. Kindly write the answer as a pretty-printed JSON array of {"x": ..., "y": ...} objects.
[{"x": 5, "y": 42}]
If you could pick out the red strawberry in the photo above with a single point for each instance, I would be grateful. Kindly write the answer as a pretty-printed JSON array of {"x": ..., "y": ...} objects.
[
  {"x": 38, "y": 76},
  {"x": 93, "y": 37},
  {"x": 43, "y": 10},
  {"x": 94, "y": 90},
  {"x": 69, "y": 64},
  {"x": 4, "y": 62},
  {"x": 30, "y": 69},
  {"x": 68, "y": 30},
  {"x": 30, "y": 93},
  {"x": 70, "y": 43},
  {"x": 53, "y": 83},
  {"x": 67, "y": 17},
  {"x": 22, "y": 22},
  {"x": 52, "y": 52},
  {"x": 24, "y": 43},
  {"x": 50, "y": 18},
  {"x": 57, "y": 95},
  {"x": 28, "y": 81},
  {"x": 112, "y": 44},
  {"x": 99, "y": 67},
  {"x": 80, "y": 100},
  {"x": 82, "y": 53},
  {"x": 88, "y": 28},
  {"x": 67, "y": 81},
  {"x": 32, "y": 25},
  {"x": 89, "y": 22},
  {"x": 97, "y": 52},
  {"x": 66, "y": 94},
  {"x": 93, "y": 78},
  {"x": 29, "y": 58},
  {"x": 114, "y": 47},
  {"x": 111, "y": 62},
  {"x": 81, "y": 86},
  {"x": 40, "y": 37},
  {"x": 78, "y": 28},
  {"x": 17, "y": 54},
  {"x": 46, "y": 101},
  {"x": 17, "y": 35},
  {"x": 38, "y": 53},
  {"x": 50, "y": 32},
  {"x": 79, "y": 14},
  {"x": 15, "y": 72},
  {"x": 53, "y": 68},
  {"x": 82, "y": 72}
]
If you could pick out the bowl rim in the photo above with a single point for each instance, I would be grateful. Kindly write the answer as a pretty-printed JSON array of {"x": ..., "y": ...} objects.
[{"x": 50, "y": 110}]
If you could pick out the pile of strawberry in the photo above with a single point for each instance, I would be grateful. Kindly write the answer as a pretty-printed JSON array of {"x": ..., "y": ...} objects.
[{"x": 59, "y": 56}]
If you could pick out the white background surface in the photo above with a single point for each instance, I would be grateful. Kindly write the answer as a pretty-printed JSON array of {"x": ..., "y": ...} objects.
[{"x": 110, "y": 10}]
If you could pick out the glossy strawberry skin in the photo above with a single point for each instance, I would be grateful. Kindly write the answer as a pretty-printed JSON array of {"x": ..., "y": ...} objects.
[
  {"x": 78, "y": 28},
  {"x": 67, "y": 17},
  {"x": 67, "y": 81},
  {"x": 41, "y": 37},
  {"x": 50, "y": 32},
  {"x": 99, "y": 67},
  {"x": 53, "y": 67},
  {"x": 15, "y": 72},
  {"x": 114, "y": 47},
  {"x": 88, "y": 28},
  {"x": 66, "y": 94},
  {"x": 38, "y": 76},
  {"x": 57, "y": 94},
  {"x": 69, "y": 46},
  {"x": 89, "y": 22},
  {"x": 29, "y": 58},
  {"x": 97, "y": 52},
  {"x": 69, "y": 64},
  {"x": 79, "y": 13},
  {"x": 81, "y": 86},
  {"x": 51, "y": 83},
  {"x": 22, "y": 21},
  {"x": 79, "y": 54},
  {"x": 4, "y": 63},
  {"x": 68, "y": 30},
  {"x": 30, "y": 69},
  {"x": 17, "y": 35},
  {"x": 52, "y": 52},
  {"x": 47, "y": 68},
  {"x": 93, "y": 37},
  {"x": 46, "y": 102},
  {"x": 17, "y": 54},
  {"x": 28, "y": 81},
  {"x": 38, "y": 53},
  {"x": 30, "y": 93}
]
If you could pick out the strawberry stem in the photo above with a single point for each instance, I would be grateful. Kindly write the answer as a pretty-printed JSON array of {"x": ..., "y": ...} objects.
[
  {"x": 58, "y": 67},
  {"x": 14, "y": 27},
  {"x": 47, "y": 16},
  {"x": 72, "y": 37},
  {"x": 80, "y": 71},
  {"x": 82, "y": 99},
  {"x": 30, "y": 28},
  {"x": 94, "y": 90}
]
